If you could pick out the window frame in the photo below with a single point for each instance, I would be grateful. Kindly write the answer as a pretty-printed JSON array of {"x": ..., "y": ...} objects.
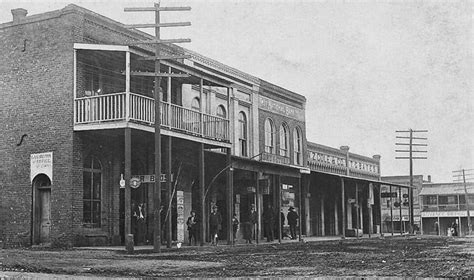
[
  {"x": 269, "y": 143},
  {"x": 298, "y": 146},
  {"x": 284, "y": 140},
  {"x": 243, "y": 134},
  {"x": 95, "y": 190}
]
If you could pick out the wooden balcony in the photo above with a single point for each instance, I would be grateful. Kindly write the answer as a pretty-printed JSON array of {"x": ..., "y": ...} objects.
[{"x": 118, "y": 109}]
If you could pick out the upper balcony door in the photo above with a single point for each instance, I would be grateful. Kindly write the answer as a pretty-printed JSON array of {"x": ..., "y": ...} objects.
[{"x": 111, "y": 93}]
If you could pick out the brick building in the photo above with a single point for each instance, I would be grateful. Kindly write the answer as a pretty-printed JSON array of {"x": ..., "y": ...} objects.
[{"x": 78, "y": 142}]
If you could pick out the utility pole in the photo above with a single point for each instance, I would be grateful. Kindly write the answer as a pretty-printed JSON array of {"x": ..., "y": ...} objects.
[
  {"x": 411, "y": 139},
  {"x": 457, "y": 175},
  {"x": 157, "y": 42}
]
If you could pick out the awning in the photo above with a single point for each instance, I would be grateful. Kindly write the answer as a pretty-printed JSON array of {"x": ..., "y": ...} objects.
[{"x": 364, "y": 179}]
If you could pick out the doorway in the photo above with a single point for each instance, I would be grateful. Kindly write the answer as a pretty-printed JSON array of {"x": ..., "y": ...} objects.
[{"x": 41, "y": 209}]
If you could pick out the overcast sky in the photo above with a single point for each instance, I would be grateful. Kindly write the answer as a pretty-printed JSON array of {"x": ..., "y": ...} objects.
[{"x": 367, "y": 68}]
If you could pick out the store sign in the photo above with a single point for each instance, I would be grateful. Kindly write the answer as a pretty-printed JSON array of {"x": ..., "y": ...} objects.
[
  {"x": 151, "y": 178},
  {"x": 388, "y": 194},
  {"x": 180, "y": 215},
  {"x": 135, "y": 182},
  {"x": 433, "y": 214},
  {"x": 41, "y": 164},
  {"x": 280, "y": 108}
]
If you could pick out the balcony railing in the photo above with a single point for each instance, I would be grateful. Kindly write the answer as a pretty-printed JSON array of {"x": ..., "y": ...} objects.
[{"x": 141, "y": 109}]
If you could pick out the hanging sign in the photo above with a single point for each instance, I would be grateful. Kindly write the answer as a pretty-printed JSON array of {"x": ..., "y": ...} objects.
[
  {"x": 41, "y": 164},
  {"x": 135, "y": 182},
  {"x": 151, "y": 178}
]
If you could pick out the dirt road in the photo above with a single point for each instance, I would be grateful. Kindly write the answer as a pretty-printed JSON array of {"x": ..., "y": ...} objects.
[{"x": 391, "y": 256}]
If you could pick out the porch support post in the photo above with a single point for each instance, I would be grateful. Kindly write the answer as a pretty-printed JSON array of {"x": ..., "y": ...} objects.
[
  {"x": 256, "y": 229},
  {"x": 336, "y": 221},
  {"x": 380, "y": 208},
  {"x": 300, "y": 228},
  {"x": 343, "y": 207},
  {"x": 357, "y": 209},
  {"x": 322, "y": 222},
  {"x": 369, "y": 208},
  {"x": 278, "y": 215},
  {"x": 230, "y": 197},
  {"x": 168, "y": 98},
  {"x": 202, "y": 191},
  {"x": 169, "y": 183},
  {"x": 391, "y": 208},
  {"x": 400, "y": 207},
  {"x": 127, "y": 86},
  {"x": 127, "y": 200}
]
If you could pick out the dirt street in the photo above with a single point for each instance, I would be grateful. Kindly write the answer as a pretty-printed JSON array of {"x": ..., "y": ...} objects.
[{"x": 413, "y": 256}]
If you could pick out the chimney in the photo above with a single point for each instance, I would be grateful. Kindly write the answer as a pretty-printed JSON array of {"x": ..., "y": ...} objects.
[
  {"x": 429, "y": 178},
  {"x": 19, "y": 14}
]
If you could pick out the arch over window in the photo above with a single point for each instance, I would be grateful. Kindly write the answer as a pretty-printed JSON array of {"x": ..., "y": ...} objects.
[
  {"x": 298, "y": 146},
  {"x": 243, "y": 134},
  {"x": 92, "y": 189},
  {"x": 221, "y": 112},
  {"x": 269, "y": 136},
  {"x": 284, "y": 140},
  {"x": 196, "y": 104}
]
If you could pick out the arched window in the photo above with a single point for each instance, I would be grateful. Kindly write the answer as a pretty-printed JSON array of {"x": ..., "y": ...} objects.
[
  {"x": 269, "y": 136},
  {"x": 243, "y": 134},
  {"x": 284, "y": 140},
  {"x": 298, "y": 146},
  {"x": 92, "y": 188},
  {"x": 220, "y": 112},
  {"x": 196, "y": 104}
]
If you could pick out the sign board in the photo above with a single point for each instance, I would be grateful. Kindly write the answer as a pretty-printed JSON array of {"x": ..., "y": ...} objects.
[
  {"x": 134, "y": 182},
  {"x": 388, "y": 194},
  {"x": 180, "y": 215},
  {"x": 41, "y": 164},
  {"x": 151, "y": 178},
  {"x": 351, "y": 200},
  {"x": 454, "y": 214}
]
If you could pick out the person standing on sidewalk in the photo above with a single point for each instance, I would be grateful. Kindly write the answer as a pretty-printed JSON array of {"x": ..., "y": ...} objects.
[
  {"x": 292, "y": 218},
  {"x": 215, "y": 220},
  {"x": 192, "y": 224},
  {"x": 253, "y": 218},
  {"x": 268, "y": 222}
]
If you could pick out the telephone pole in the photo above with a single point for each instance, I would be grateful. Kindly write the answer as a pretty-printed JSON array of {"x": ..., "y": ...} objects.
[
  {"x": 408, "y": 135},
  {"x": 457, "y": 175},
  {"x": 157, "y": 42}
]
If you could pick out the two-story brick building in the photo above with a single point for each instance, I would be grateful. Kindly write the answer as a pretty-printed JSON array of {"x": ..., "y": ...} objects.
[{"x": 78, "y": 134}]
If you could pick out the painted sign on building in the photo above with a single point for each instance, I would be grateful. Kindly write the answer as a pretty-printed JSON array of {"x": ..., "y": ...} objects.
[
  {"x": 280, "y": 108},
  {"x": 41, "y": 164}
]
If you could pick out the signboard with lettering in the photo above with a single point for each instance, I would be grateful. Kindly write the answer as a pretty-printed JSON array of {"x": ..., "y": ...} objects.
[
  {"x": 151, "y": 178},
  {"x": 280, "y": 108},
  {"x": 180, "y": 215},
  {"x": 41, "y": 164}
]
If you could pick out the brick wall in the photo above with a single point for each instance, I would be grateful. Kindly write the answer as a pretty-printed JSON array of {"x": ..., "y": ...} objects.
[{"x": 35, "y": 87}]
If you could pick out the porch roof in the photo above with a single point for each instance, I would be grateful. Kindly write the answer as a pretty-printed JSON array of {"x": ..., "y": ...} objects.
[{"x": 364, "y": 179}]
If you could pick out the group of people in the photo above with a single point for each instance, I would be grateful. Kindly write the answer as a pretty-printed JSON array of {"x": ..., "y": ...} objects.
[{"x": 248, "y": 227}]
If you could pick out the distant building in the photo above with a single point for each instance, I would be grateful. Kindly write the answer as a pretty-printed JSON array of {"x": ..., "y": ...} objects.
[
  {"x": 392, "y": 205},
  {"x": 444, "y": 203}
]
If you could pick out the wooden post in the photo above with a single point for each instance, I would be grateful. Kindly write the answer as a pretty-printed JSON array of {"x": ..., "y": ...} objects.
[
  {"x": 357, "y": 209},
  {"x": 202, "y": 192},
  {"x": 400, "y": 206},
  {"x": 278, "y": 189},
  {"x": 230, "y": 197},
  {"x": 169, "y": 185},
  {"x": 343, "y": 206},
  {"x": 299, "y": 208},
  {"x": 257, "y": 208},
  {"x": 127, "y": 200},
  {"x": 391, "y": 208}
]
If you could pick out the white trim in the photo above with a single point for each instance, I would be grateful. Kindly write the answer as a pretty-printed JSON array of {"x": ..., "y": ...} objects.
[{"x": 100, "y": 47}]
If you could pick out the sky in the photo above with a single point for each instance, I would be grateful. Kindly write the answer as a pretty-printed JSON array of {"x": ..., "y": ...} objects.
[{"x": 366, "y": 68}]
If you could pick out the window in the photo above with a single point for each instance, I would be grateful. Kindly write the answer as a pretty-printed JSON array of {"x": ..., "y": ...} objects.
[
  {"x": 92, "y": 187},
  {"x": 298, "y": 146},
  {"x": 220, "y": 112},
  {"x": 269, "y": 139},
  {"x": 243, "y": 134},
  {"x": 283, "y": 140},
  {"x": 196, "y": 104}
]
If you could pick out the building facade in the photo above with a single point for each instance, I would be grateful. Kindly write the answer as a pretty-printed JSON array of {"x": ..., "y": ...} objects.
[{"x": 444, "y": 206}]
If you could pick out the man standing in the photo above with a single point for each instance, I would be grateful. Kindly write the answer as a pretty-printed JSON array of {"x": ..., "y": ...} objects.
[
  {"x": 193, "y": 226},
  {"x": 253, "y": 221},
  {"x": 215, "y": 221},
  {"x": 292, "y": 221},
  {"x": 268, "y": 221}
]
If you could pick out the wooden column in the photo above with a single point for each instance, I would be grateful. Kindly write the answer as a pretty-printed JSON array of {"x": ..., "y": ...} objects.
[
  {"x": 400, "y": 207},
  {"x": 343, "y": 206},
  {"x": 357, "y": 210},
  {"x": 127, "y": 200},
  {"x": 169, "y": 185},
  {"x": 299, "y": 208},
  {"x": 202, "y": 192},
  {"x": 391, "y": 208},
  {"x": 230, "y": 197},
  {"x": 323, "y": 227},
  {"x": 278, "y": 190},
  {"x": 257, "y": 208}
]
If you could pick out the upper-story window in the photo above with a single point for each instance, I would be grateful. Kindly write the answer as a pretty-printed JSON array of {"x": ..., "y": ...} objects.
[
  {"x": 243, "y": 134},
  {"x": 284, "y": 140},
  {"x": 92, "y": 188},
  {"x": 269, "y": 136},
  {"x": 196, "y": 104},
  {"x": 220, "y": 112},
  {"x": 298, "y": 146}
]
